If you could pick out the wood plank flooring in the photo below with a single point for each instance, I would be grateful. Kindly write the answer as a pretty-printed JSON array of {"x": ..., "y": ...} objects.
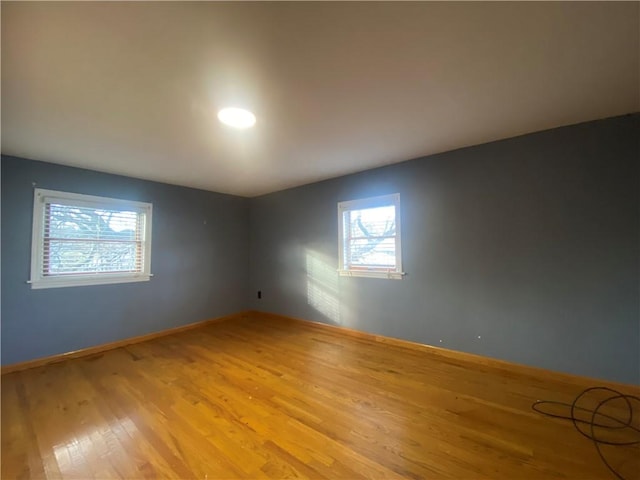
[{"x": 266, "y": 398}]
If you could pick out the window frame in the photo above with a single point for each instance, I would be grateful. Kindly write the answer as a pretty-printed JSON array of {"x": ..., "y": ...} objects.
[
  {"x": 41, "y": 197},
  {"x": 372, "y": 272}
]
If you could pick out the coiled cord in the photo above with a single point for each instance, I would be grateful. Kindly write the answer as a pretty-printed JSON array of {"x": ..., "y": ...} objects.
[{"x": 597, "y": 418}]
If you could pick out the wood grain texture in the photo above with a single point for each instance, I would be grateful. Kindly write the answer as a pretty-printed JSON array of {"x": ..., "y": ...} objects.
[{"x": 268, "y": 397}]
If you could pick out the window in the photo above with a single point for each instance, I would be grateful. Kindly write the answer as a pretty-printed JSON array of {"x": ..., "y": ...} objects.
[
  {"x": 87, "y": 240},
  {"x": 369, "y": 231}
]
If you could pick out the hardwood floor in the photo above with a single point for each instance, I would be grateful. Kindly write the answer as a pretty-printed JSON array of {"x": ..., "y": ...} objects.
[{"x": 262, "y": 397}]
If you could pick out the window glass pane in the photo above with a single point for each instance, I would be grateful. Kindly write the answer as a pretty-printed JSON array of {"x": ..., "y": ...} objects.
[
  {"x": 81, "y": 240},
  {"x": 88, "y": 223},
  {"x": 369, "y": 231},
  {"x": 379, "y": 252},
  {"x": 368, "y": 222},
  {"x": 66, "y": 257},
  {"x": 371, "y": 240}
]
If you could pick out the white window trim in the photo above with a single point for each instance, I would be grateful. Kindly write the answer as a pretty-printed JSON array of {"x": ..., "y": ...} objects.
[
  {"x": 383, "y": 200},
  {"x": 41, "y": 197}
]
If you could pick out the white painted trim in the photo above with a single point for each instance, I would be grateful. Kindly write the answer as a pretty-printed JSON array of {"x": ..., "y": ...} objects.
[
  {"x": 78, "y": 281},
  {"x": 394, "y": 275},
  {"x": 371, "y": 202},
  {"x": 41, "y": 197}
]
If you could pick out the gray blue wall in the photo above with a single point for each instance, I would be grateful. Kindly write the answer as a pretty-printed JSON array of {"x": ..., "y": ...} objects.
[
  {"x": 525, "y": 249},
  {"x": 200, "y": 270}
]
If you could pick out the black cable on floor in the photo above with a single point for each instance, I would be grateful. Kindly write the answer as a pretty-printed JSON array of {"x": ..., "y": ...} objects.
[{"x": 618, "y": 423}]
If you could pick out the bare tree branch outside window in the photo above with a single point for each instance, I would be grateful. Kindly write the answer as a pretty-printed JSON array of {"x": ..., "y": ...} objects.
[{"x": 81, "y": 240}]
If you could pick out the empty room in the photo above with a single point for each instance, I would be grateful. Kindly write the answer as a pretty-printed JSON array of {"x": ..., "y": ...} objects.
[{"x": 320, "y": 240}]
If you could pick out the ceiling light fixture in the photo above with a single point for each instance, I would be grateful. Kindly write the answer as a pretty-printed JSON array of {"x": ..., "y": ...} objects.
[{"x": 237, "y": 117}]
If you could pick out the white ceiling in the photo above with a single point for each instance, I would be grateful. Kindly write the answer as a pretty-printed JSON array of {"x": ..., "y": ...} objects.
[{"x": 133, "y": 88}]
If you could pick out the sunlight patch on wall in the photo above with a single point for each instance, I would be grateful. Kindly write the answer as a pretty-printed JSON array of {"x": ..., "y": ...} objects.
[{"x": 322, "y": 286}]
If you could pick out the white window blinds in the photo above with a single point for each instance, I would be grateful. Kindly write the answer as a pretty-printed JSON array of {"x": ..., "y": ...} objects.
[
  {"x": 369, "y": 232},
  {"x": 82, "y": 239}
]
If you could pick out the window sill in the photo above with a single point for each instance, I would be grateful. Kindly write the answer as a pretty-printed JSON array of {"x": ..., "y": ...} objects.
[
  {"x": 372, "y": 274},
  {"x": 56, "y": 282}
]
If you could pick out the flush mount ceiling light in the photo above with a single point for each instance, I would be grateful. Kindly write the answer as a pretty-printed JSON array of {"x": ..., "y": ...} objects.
[{"x": 237, "y": 117}]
